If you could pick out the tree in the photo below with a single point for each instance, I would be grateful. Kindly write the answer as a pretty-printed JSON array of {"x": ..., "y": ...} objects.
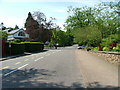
[
  {"x": 62, "y": 38},
  {"x": 16, "y": 27},
  {"x": 3, "y": 35},
  {"x": 39, "y": 17},
  {"x": 90, "y": 36},
  {"x": 87, "y": 22},
  {"x": 36, "y": 28}
]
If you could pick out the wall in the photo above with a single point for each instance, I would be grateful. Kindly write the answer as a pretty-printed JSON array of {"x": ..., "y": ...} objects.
[{"x": 111, "y": 57}]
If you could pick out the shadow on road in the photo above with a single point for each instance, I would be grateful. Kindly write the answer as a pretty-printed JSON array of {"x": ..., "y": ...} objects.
[
  {"x": 98, "y": 85},
  {"x": 39, "y": 78},
  {"x": 33, "y": 78}
]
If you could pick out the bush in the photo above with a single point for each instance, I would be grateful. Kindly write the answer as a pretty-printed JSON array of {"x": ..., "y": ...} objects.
[
  {"x": 116, "y": 49},
  {"x": 32, "y": 42},
  {"x": 33, "y": 46},
  {"x": 3, "y": 35},
  {"x": 96, "y": 48},
  {"x": 89, "y": 48},
  {"x": 118, "y": 45},
  {"x": 16, "y": 48},
  {"x": 105, "y": 49},
  {"x": 20, "y": 48}
]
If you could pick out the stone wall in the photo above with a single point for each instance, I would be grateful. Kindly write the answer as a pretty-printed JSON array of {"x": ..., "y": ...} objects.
[{"x": 111, "y": 57}]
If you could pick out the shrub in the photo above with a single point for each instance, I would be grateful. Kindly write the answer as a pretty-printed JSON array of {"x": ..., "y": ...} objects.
[
  {"x": 16, "y": 48},
  {"x": 3, "y": 34},
  {"x": 20, "y": 48},
  {"x": 96, "y": 48},
  {"x": 105, "y": 49},
  {"x": 33, "y": 46},
  {"x": 116, "y": 49},
  {"x": 89, "y": 48},
  {"x": 118, "y": 45}
]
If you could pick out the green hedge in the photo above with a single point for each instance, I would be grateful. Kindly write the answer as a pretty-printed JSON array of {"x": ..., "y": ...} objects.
[
  {"x": 33, "y": 47},
  {"x": 20, "y": 48},
  {"x": 14, "y": 49}
]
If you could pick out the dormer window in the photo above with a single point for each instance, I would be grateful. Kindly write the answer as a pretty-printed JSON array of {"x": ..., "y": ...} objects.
[{"x": 21, "y": 34}]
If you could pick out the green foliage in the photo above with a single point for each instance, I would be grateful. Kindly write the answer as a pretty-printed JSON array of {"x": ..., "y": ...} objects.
[
  {"x": 105, "y": 49},
  {"x": 33, "y": 47},
  {"x": 17, "y": 40},
  {"x": 3, "y": 34},
  {"x": 118, "y": 45},
  {"x": 15, "y": 48},
  {"x": 96, "y": 48},
  {"x": 89, "y": 25},
  {"x": 107, "y": 41},
  {"x": 62, "y": 38},
  {"x": 90, "y": 36},
  {"x": 116, "y": 49},
  {"x": 89, "y": 48},
  {"x": 21, "y": 47},
  {"x": 33, "y": 42}
]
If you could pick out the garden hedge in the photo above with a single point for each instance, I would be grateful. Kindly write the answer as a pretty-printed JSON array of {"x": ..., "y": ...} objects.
[
  {"x": 33, "y": 47},
  {"x": 14, "y": 49},
  {"x": 20, "y": 48}
]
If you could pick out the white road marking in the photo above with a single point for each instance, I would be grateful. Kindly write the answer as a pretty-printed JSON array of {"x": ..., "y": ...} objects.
[
  {"x": 23, "y": 66},
  {"x": 39, "y": 58},
  {"x": 15, "y": 70},
  {"x": 17, "y": 63},
  {"x": 36, "y": 59}
]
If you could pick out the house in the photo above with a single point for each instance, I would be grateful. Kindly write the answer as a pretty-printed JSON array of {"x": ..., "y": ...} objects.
[{"x": 17, "y": 34}]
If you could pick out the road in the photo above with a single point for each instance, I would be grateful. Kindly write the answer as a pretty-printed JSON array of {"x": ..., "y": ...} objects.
[{"x": 61, "y": 68}]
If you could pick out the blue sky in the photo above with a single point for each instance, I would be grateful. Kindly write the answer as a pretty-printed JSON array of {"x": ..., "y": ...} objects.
[{"x": 14, "y": 12}]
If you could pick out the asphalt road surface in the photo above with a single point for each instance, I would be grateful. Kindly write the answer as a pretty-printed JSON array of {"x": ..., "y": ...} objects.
[{"x": 62, "y": 68}]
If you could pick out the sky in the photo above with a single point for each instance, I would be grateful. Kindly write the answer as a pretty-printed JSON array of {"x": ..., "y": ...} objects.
[{"x": 15, "y": 12}]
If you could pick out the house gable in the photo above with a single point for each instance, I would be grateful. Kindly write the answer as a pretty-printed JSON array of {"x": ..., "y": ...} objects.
[{"x": 18, "y": 34}]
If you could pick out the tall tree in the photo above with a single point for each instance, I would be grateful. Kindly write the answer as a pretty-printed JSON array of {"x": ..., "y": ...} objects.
[
  {"x": 102, "y": 18},
  {"x": 16, "y": 27}
]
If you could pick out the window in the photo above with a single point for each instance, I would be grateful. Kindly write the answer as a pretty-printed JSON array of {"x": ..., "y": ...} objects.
[{"x": 21, "y": 34}]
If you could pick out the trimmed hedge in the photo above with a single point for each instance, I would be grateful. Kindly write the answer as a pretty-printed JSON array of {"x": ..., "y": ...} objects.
[
  {"x": 14, "y": 49},
  {"x": 20, "y": 48},
  {"x": 33, "y": 47}
]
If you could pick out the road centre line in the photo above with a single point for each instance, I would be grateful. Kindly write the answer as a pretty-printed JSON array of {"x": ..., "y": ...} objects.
[
  {"x": 18, "y": 63},
  {"x": 5, "y": 67},
  {"x": 15, "y": 70}
]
